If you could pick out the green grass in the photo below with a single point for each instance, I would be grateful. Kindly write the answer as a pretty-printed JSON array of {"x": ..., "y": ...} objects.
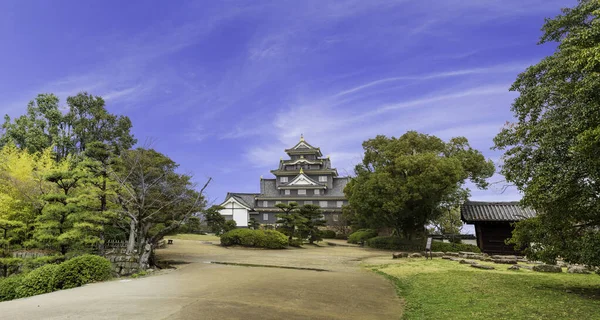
[
  {"x": 189, "y": 236},
  {"x": 442, "y": 289}
]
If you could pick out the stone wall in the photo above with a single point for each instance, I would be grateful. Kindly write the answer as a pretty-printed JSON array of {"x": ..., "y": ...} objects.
[{"x": 123, "y": 264}]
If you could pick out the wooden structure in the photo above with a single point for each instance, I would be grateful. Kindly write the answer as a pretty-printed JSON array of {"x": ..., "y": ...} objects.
[{"x": 493, "y": 223}]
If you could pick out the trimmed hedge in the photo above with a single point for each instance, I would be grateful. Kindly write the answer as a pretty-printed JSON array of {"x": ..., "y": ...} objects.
[
  {"x": 82, "y": 270},
  {"x": 328, "y": 234},
  {"x": 396, "y": 243},
  {"x": 42, "y": 261},
  {"x": 453, "y": 247},
  {"x": 270, "y": 239},
  {"x": 9, "y": 287},
  {"x": 39, "y": 281},
  {"x": 362, "y": 235}
]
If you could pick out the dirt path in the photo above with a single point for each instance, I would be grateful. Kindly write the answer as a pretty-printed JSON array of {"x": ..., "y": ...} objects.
[{"x": 202, "y": 290}]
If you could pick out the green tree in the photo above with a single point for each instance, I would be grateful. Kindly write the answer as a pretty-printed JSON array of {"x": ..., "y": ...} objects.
[
  {"x": 288, "y": 219},
  {"x": 311, "y": 218},
  {"x": 551, "y": 149},
  {"x": 153, "y": 198},
  {"x": 253, "y": 224},
  {"x": 44, "y": 125},
  {"x": 215, "y": 221},
  {"x": 404, "y": 183}
]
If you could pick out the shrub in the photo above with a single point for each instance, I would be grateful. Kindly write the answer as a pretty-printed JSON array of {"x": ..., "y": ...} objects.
[
  {"x": 295, "y": 243},
  {"x": 362, "y": 235},
  {"x": 39, "y": 281},
  {"x": 453, "y": 247},
  {"x": 10, "y": 266},
  {"x": 396, "y": 243},
  {"x": 255, "y": 238},
  {"x": 9, "y": 287},
  {"x": 328, "y": 234},
  {"x": 41, "y": 261},
  {"x": 341, "y": 236},
  {"x": 81, "y": 270}
]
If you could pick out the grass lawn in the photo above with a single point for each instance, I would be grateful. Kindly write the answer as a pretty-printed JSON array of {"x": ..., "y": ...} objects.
[
  {"x": 190, "y": 236},
  {"x": 443, "y": 289}
]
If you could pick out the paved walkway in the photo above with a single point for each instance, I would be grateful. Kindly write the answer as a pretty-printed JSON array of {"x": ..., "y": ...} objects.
[{"x": 202, "y": 290}]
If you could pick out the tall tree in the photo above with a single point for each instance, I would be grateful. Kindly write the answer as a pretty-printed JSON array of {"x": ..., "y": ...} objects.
[
  {"x": 311, "y": 219},
  {"x": 403, "y": 183},
  {"x": 552, "y": 148},
  {"x": 87, "y": 120},
  {"x": 153, "y": 198},
  {"x": 288, "y": 219}
]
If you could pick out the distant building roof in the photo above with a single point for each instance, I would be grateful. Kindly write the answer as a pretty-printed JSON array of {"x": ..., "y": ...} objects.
[
  {"x": 480, "y": 211},
  {"x": 245, "y": 198}
]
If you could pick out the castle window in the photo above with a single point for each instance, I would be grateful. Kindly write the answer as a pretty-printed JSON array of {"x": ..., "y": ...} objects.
[
  {"x": 322, "y": 178},
  {"x": 283, "y": 179},
  {"x": 317, "y": 191},
  {"x": 302, "y": 191},
  {"x": 265, "y": 203},
  {"x": 335, "y": 217},
  {"x": 323, "y": 204},
  {"x": 277, "y": 202},
  {"x": 287, "y": 192},
  {"x": 340, "y": 204},
  {"x": 308, "y": 202},
  {"x": 265, "y": 216}
]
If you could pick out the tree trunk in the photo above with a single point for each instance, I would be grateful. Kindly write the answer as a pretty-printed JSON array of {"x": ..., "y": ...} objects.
[
  {"x": 131, "y": 242},
  {"x": 145, "y": 256}
]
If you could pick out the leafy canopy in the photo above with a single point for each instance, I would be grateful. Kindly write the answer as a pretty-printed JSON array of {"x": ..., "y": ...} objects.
[
  {"x": 404, "y": 183},
  {"x": 552, "y": 148}
]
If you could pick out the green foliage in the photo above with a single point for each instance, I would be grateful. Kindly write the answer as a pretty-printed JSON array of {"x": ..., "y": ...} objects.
[
  {"x": 295, "y": 243},
  {"x": 253, "y": 223},
  {"x": 362, "y": 235},
  {"x": 448, "y": 222},
  {"x": 39, "y": 281},
  {"x": 9, "y": 266},
  {"x": 310, "y": 219},
  {"x": 288, "y": 220},
  {"x": 328, "y": 234},
  {"x": 453, "y": 247},
  {"x": 139, "y": 274},
  {"x": 82, "y": 270},
  {"x": 87, "y": 120},
  {"x": 551, "y": 150},
  {"x": 270, "y": 239},
  {"x": 215, "y": 221},
  {"x": 396, "y": 243},
  {"x": 341, "y": 236},
  {"x": 9, "y": 287},
  {"x": 41, "y": 261},
  {"x": 404, "y": 183}
]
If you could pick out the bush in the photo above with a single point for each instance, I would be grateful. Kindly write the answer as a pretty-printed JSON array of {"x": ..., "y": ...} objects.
[
  {"x": 41, "y": 261},
  {"x": 396, "y": 243},
  {"x": 328, "y": 234},
  {"x": 270, "y": 239},
  {"x": 453, "y": 247},
  {"x": 341, "y": 236},
  {"x": 39, "y": 281},
  {"x": 295, "y": 243},
  {"x": 81, "y": 270},
  {"x": 9, "y": 287},
  {"x": 362, "y": 235}
]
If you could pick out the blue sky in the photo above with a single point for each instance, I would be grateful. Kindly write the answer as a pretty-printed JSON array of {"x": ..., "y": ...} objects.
[{"x": 223, "y": 87}]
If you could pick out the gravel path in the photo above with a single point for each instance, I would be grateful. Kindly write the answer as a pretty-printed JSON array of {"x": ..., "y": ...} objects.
[{"x": 203, "y": 290}]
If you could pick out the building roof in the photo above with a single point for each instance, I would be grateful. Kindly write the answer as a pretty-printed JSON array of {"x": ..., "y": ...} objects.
[
  {"x": 480, "y": 211},
  {"x": 246, "y": 199}
]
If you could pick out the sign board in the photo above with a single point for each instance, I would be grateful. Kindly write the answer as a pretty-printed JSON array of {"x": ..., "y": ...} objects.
[{"x": 428, "y": 245}]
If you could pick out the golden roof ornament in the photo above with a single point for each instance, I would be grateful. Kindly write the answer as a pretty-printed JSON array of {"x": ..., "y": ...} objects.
[
  {"x": 301, "y": 137},
  {"x": 301, "y": 171}
]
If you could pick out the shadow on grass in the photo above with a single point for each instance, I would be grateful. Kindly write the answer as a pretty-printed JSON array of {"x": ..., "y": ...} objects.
[{"x": 588, "y": 292}]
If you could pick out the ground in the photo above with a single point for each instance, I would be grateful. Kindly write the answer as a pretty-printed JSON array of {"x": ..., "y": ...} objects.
[
  {"x": 443, "y": 289},
  {"x": 203, "y": 290}
]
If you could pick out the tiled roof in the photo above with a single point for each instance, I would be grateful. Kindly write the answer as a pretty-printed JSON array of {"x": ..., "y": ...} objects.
[
  {"x": 479, "y": 211},
  {"x": 245, "y": 198}
]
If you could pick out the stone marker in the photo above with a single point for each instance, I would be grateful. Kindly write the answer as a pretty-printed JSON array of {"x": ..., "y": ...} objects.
[
  {"x": 481, "y": 266},
  {"x": 514, "y": 267},
  {"x": 471, "y": 262},
  {"x": 547, "y": 268},
  {"x": 415, "y": 255},
  {"x": 578, "y": 269}
]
